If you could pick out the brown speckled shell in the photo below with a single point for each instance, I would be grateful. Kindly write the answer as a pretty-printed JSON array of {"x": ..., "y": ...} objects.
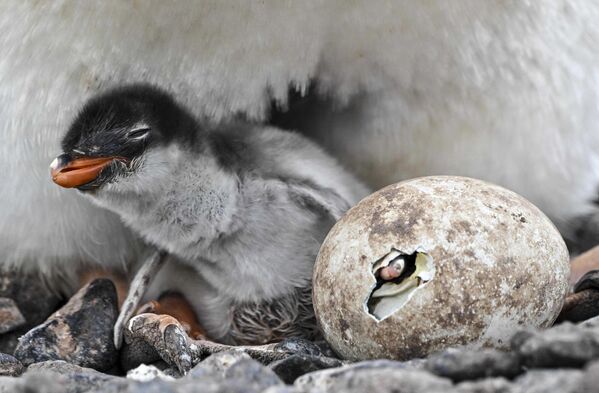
[{"x": 501, "y": 265}]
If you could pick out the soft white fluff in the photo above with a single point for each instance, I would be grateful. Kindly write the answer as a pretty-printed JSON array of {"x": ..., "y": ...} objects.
[
  {"x": 252, "y": 235},
  {"x": 504, "y": 91}
]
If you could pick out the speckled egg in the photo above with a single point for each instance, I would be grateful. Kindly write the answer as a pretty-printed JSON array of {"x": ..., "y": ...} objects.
[{"x": 436, "y": 262}]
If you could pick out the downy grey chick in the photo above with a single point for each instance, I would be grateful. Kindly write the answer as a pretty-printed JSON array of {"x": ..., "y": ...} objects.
[{"x": 246, "y": 207}]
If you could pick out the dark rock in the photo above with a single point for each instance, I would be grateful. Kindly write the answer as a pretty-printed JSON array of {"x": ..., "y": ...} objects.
[
  {"x": 325, "y": 379},
  {"x": 34, "y": 300},
  {"x": 300, "y": 346},
  {"x": 590, "y": 280},
  {"x": 543, "y": 381},
  {"x": 10, "y": 315},
  {"x": 293, "y": 367},
  {"x": 590, "y": 323},
  {"x": 564, "y": 345},
  {"x": 462, "y": 365},
  {"x": 137, "y": 352},
  {"x": 325, "y": 349},
  {"x": 10, "y": 366},
  {"x": 80, "y": 332}
]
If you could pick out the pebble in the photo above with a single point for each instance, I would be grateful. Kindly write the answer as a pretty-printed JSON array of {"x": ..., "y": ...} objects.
[
  {"x": 463, "y": 365},
  {"x": 10, "y": 366},
  {"x": 294, "y": 366},
  {"x": 34, "y": 300},
  {"x": 564, "y": 358},
  {"x": 564, "y": 346},
  {"x": 10, "y": 315},
  {"x": 80, "y": 332}
]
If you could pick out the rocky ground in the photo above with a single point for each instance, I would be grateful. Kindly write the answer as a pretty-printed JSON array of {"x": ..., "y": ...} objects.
[{"x": 72, "y": 351}]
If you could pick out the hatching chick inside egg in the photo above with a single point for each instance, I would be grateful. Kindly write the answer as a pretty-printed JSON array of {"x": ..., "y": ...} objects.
[{"x": 436, "y": 262}]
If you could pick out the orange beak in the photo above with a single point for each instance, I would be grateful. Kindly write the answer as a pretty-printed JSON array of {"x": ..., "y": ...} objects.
[{"x": 78, "y": 172}]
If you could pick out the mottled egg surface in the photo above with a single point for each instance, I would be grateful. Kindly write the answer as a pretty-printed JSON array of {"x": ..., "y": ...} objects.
[{"x": 436, "y": 262}]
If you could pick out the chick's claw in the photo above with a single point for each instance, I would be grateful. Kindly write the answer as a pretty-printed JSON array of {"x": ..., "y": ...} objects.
[{"x": 166, "y": 335}]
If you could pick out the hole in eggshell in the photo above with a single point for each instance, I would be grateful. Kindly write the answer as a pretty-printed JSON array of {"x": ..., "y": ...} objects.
[{"x": 398, "y": 276}]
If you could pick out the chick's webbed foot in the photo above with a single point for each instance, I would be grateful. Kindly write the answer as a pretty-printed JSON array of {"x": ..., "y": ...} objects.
[
  {"x": 176, "y": 306},
  {"x": 166, "y": 335}
]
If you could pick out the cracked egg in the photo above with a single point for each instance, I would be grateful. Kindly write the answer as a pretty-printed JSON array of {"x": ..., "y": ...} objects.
[{"x": 436, "y": 262}]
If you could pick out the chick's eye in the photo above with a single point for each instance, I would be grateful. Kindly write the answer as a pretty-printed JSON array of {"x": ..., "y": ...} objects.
[{"x": 138, "y": 133}]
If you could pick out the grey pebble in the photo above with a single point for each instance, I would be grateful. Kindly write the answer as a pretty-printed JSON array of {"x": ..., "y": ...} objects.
[
  {"x": 10, "y": 366},
  {"x": 10, "y": 315},
  {"x": 563, "y": 346},
  {"x": 464, "y": 365},
  {"x": 542, "y": 381},
  {"x": 34, "y": 300},
  {"x": 329, "y": 378},
  {"x": 294, "y": 366}
]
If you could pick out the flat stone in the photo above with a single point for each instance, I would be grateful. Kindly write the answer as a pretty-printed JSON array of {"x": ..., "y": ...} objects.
[
  {"x": 590, "y": 379},
  {"x": 10, "y": 366},
  {"x": 36, "y": 382},
  {"x": 80, "y": 332},
  {"x": 253, "y": 373},
  {"x": 326, "y": 379},
  {"x": 490, "y": 385},
  {"x": 294, "y": 366},
  {"x": 34, "y": 300},
  {"x": 216, "y": 365},
  {"x": 566, "y": 345},
  {"x": 462, "y": 365},
  {"x": 10, "y": 315},
  {"x": 382, "y": 380},
  {"x": 62, "y": 377},
  {"x": 543, "y": 381}
]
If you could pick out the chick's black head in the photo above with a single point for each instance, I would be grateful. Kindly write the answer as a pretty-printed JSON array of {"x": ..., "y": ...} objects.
[{"x": 114, "y": 129}]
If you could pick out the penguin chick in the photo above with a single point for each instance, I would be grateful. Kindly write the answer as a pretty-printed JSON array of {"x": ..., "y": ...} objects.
[{"x": 245, "y": 206}]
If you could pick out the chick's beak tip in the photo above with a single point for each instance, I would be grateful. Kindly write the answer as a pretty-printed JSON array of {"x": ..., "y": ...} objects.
[{"x": 75, "y": 173}]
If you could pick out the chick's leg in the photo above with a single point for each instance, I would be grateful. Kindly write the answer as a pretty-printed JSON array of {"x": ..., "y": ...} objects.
[{"x": 137, "y": 289}]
